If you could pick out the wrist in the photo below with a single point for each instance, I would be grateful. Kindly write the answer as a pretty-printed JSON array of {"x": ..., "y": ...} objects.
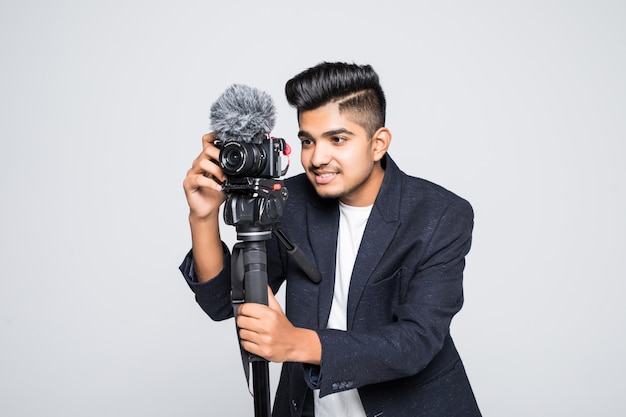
[
  {"x": 197, "y": 219},
  {"x": 309, "y": 347}
]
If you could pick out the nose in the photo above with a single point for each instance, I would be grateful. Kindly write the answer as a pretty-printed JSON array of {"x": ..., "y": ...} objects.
[{"x": 320, "y": 154}]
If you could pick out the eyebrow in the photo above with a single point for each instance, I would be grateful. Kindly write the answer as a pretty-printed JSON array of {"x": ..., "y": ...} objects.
[{"x": 304, "y": 134}]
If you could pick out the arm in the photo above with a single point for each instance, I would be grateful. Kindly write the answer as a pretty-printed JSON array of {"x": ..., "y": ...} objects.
[
  {"x": 207, "y": 266},
  {"x": 204, "y": 194}
]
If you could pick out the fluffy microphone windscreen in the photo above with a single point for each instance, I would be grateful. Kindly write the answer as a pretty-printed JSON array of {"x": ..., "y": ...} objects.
[{"x": 242, "y": 114}]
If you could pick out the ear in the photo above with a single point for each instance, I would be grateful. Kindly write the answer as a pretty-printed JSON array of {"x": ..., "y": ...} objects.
[{"x": 380, "y": 143}]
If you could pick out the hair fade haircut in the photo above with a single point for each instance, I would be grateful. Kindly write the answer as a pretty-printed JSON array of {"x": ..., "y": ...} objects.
[{"x": 356, "y": 89}]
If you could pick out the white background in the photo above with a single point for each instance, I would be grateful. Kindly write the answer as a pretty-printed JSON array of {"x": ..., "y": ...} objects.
[{"x": 518, "y": 106}]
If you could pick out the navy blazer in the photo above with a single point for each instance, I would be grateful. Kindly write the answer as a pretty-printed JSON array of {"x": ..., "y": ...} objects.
[{"x": 406, "y": 286}]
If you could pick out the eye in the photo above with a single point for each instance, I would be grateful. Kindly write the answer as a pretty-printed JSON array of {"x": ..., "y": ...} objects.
[
  {"x": 337, "y": 139},
  {"x": 305, "y": 142}
]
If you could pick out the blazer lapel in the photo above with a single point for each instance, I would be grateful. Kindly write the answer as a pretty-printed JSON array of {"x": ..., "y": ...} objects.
[
  {"x": 382, "y": 226},
  {"x": 322, "y": 224}
]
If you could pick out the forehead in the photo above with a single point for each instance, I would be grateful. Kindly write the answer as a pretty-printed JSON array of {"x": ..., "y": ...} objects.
[{"x": 327, "y": 118}]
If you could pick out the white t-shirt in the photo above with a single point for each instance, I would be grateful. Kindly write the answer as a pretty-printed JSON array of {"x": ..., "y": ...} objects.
[{"x": 352, "y": 221}]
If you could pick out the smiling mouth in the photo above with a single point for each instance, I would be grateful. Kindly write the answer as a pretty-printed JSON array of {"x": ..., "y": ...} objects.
[{"x": 324, "y": 178}]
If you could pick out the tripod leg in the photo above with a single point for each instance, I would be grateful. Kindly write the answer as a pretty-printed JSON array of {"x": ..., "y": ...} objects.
[
  {"x": 261, "y": 386},
  {"x": 254, "y": 257}
]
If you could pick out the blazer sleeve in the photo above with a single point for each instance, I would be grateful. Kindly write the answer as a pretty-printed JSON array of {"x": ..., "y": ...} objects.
[
  {"x": 212, "y": 296},
  {"x": 430, "y": 294}
]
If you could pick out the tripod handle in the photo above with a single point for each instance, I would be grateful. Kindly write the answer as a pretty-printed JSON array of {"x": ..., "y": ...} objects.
[
  {"x": 255, "y": 273},
  {"x": 249, "y": 284},
  {"x": 299, "y": 257}
]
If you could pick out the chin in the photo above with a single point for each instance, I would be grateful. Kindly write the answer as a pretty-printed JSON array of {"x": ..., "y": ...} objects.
[{"x": 324, "y": 192}]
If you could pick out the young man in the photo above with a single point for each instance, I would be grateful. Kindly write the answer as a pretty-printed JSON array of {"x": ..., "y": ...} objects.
[{"x": 373, "y": 337}]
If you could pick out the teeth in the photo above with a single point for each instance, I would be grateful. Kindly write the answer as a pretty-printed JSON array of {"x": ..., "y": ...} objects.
[{"x": 326, "y": 175}]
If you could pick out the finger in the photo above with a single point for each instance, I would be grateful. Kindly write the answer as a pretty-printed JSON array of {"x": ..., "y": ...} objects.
[
  {"x": 255, "y": 315},
  {"x": 272, "y": 302},
  {"x": 250, "y": 347},
  {"x": 197, "y": 182},
  {"x": 202, "y": 166},
  {"x": 208, "y": 160},
  {"x": 208, "y": 139},
  {"x": 211, "y": 153},
  {"x": 248, "y": 335},
  {"x": 210, "y": 168},
  {"x": 206, "y": 165},
  {"x": 250, "y": 311}
]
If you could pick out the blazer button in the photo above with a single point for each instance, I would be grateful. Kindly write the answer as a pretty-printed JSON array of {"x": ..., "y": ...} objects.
[{"x": 295, "y": 405}]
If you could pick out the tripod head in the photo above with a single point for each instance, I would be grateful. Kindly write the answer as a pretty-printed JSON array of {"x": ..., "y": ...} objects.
[{"x": 254, "y": 206}]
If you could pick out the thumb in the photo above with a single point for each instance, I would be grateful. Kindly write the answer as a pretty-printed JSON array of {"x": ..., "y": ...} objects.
[{"x": 272, "y": 302}]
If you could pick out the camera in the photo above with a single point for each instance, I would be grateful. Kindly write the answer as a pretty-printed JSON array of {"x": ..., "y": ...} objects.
[
  {"x": 242, "y": 159},
  {"x": 255, "y": 194}
]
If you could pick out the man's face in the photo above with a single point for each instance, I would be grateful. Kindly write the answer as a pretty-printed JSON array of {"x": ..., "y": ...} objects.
[{"x": 338, "y": 156}]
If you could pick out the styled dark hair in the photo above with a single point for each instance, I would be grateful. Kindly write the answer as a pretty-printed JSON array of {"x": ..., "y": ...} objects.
[{"x": 356, "y": 89}]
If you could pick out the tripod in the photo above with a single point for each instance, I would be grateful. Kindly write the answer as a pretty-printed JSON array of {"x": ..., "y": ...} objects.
[
  {"x": 254, "y": 207},
  {"x": 249, "y": 284}
]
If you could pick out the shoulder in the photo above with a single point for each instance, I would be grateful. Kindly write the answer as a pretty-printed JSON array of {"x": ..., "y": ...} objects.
[
  {"x": 435, "y": 193},
  {"x": 418, "y": 196}
]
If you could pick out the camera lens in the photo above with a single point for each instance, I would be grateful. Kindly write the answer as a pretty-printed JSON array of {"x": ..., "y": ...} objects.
[
  {"x": 233, "y": 159},
  {"x": 242, "y": 159}
]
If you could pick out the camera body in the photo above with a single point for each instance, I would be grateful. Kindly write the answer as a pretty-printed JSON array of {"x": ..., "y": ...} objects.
[{"x": 245, "y": 160}]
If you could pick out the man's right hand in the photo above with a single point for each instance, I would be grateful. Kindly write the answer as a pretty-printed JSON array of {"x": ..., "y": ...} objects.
[
  {"x": 203, "y": 188},
  {"x": 203, "y": 183}
]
